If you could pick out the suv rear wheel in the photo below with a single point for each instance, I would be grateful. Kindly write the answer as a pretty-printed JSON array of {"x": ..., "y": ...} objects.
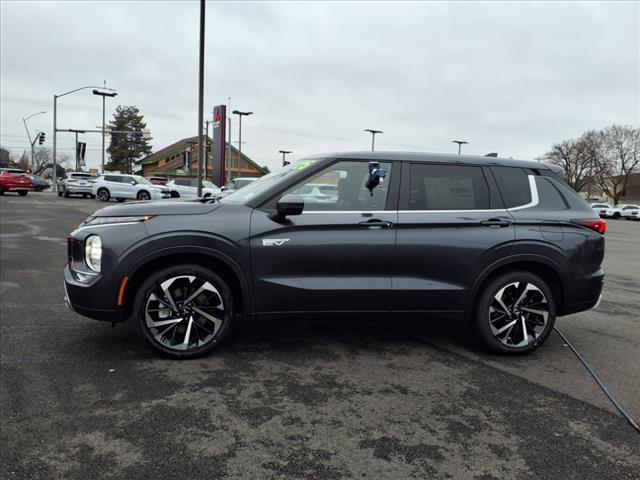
[
  {"x": 183, "y": 311},
  {"x": 103, "y": 195},
  {"x": 515, "y": 313}
]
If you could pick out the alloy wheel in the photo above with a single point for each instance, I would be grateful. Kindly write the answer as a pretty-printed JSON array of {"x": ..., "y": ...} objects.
[
  {"x": 518, "y": 314},
  {"x": 184, "y": 312},
  {"x": 103, "y": 195},
  {"x": 144, "y": 195}
]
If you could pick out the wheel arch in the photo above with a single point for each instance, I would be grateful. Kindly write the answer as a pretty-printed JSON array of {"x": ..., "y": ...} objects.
[
  {"x": 218, "y": 262},
  {"x": 550, "y": 271}
]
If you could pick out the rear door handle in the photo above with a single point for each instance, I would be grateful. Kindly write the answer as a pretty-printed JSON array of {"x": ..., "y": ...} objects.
[
  {"x": 375, "y": 224},
  {"x": 495, "y": 223}
]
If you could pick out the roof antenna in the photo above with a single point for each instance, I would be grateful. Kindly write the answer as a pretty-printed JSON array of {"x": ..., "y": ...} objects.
[{"x": 492, "y": 154}]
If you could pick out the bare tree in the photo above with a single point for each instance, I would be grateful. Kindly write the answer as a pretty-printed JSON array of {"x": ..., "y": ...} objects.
[
  {"x": 577, "y": 158},
  {"x": 620, "y": 157},
  {"x": 41, "y": 160}
]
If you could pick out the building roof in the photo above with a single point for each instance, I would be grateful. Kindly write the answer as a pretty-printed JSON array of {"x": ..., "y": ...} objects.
[{"x": 181, "y": 144}]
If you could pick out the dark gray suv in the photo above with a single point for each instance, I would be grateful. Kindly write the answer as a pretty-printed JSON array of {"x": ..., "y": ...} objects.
[{"x": 503, "y": 244}]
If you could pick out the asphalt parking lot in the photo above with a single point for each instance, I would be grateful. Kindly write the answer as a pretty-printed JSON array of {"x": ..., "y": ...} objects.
[{"x": 303, "y": 399}]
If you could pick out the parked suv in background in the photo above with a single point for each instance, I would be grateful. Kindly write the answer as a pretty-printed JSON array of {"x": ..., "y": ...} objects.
[
  {"x": 121, "y": 187},
  {"x": 503, "y": 244},
  {"x": 14, "y": 180},
  {"x": 188, "y": 187},
  {"x": 76, "y": 183}
]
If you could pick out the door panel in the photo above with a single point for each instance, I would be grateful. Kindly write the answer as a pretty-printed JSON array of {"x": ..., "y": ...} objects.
[
  {"x": 338, "y": 254},
  {"x": 444, "y": 240},
  {"x": 322, "y": 262}
]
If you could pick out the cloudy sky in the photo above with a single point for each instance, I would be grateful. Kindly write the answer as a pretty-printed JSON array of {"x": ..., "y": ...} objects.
[{"x": 507, "y": 77}]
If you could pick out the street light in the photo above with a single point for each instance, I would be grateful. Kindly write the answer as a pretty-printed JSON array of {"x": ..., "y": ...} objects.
[
  {"x": 55, "y": 125},
  {"x": 241, "y": 114},
  {"x": 32, "y": 143},
  {"x": 460, "y": 143},
  {"x": 103, "y": 95},
  {"x": 284, "y": 152},
  {"x": 373, "y": 136}
]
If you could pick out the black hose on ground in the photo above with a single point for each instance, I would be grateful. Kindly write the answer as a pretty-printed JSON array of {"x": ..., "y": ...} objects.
[{"x": 599, "y": 382}]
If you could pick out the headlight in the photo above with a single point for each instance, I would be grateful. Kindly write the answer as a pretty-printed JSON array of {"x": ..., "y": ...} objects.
[
  {"x": 93, "y": 252},
  {"x": 113, "y": 220}
]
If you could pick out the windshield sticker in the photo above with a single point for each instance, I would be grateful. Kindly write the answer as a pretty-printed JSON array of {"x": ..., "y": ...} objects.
[{"x": 303, "y": 165}]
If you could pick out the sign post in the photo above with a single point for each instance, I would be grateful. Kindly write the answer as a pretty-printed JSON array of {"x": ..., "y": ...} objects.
[{"x": 219, "y": 129}]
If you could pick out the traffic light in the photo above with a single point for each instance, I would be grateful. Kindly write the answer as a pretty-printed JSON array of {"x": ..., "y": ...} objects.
[{"x": 41, "y": 138}]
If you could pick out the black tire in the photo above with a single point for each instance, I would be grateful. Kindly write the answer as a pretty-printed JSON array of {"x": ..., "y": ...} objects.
[
  {"x": 1, "y": 191},
  {"x": 59, "y": 193},
  {"x": 92, "y": 196},
  {"x": 143, "y": 195},
  {"x": 148, "y": 293},
  {"x": 175, "y": 194},
  {"x": 206, "y": 195},
  {"x": 84, "y": 195},
  {"x": 486, "y": 321},
  {"x": 616, "y": 215},
  {"x": 23, "y": 193},
  {"x": 120, "y": 200},
  {"x": 103, "y": 194}
]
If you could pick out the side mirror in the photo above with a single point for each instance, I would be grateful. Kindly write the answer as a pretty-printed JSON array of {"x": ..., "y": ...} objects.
[
  {"x": 376, "y": 176},
  {"x": 290, "y": 204},
  {"x": 223, "y": 188}
]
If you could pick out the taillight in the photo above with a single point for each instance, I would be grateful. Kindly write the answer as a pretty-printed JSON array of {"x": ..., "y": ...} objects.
[
  {"x": 599, "y": 226},
  {"x": 71, "y": 180}
]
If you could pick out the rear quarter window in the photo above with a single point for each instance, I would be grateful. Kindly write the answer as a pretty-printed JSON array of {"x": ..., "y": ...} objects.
[{"x": 514, "y": 187}]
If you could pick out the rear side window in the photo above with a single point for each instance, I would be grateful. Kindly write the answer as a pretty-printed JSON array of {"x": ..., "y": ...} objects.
[
  {"x": 112, "y": 178},
  {"x": 549, "y": 196},
  {"x": 514, "y": 185},
  {"x": 448, "y": 187}
]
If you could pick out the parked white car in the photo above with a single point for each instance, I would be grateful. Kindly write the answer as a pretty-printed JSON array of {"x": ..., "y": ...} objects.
[
  {"x": 76, "y": 183},
  {"x": 318, "y": 193},
  {"x": 122, "y": 187},
  {"x": 630, "y": 212},
  {"x": 615, "y": 212},
  {"x": 188, "y": 188}
]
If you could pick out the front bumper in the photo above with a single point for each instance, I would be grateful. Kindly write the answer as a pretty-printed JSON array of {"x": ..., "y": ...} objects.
[{"x": 78, "y": 297}]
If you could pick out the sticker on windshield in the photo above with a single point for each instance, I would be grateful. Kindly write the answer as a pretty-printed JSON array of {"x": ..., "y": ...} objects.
[{"x": 303, "y": 165}]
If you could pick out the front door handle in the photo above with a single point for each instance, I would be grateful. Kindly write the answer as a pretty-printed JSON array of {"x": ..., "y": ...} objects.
[
  {"x": 495, "y": 223},
  {"x": 375, "y": 224}
]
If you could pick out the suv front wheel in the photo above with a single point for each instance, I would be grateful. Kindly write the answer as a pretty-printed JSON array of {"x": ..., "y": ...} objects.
[
  {"x": 183, "y": 311},
  {"x": 515, "y": 313}
]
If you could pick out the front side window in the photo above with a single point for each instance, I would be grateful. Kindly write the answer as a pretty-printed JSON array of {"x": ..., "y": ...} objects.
[
  {"x": 448, "y": 187},
  {"x": 341, "y": 187}
]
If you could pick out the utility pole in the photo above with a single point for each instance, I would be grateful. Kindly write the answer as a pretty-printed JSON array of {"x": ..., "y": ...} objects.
[
  {"x": 103, "y": 95},
  {"x": 284, "y": 152},
  {"x": 460, "y": 143},
  {"x": 373, "y": 137},
  {"x": 229, "y": 159},
  {"x": 201, "y": 140}
]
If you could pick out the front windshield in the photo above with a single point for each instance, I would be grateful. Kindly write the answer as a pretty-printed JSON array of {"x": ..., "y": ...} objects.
[
  {"x": 262, "y": 184},
  {"x": 140, "y": 179}
]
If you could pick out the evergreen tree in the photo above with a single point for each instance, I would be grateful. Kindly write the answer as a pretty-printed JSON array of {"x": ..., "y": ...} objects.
[{"x": 126, "y": 148}]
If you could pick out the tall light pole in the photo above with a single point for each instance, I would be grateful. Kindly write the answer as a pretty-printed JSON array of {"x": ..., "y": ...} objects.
[
  {"x": 201, "y": 139},
  {"x": 460, "y": 143},
  {"x": 373, "y": 137},
  {"x": 241, "y": 114},
  {"x": 284, "y": 152},
  {"x": 24, "y": 120},
  {"x": 103, "y": 95},
  {"x": 55, "y": 126}
]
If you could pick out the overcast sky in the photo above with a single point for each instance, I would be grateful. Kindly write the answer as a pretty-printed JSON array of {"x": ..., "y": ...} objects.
[{"x": 507, "y": 77}]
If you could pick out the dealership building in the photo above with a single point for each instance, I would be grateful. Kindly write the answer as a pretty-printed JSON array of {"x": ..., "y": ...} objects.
[{"x": 170, "y": 162}]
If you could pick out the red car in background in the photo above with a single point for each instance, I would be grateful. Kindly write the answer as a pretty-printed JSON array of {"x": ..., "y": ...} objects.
[{"x": 14, "y": 180}]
